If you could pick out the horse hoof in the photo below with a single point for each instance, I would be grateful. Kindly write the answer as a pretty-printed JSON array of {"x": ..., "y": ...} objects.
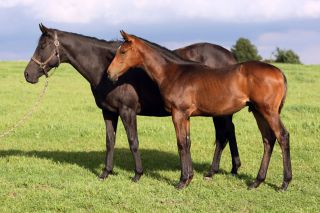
[
  {"x": 136, "y": 178},
  {"x": 234, "y": 172},
  {"x": 104, "y": 175}
]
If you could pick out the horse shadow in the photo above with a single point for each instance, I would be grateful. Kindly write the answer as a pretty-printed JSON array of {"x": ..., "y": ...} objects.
[{"x": 154, "y": 161}]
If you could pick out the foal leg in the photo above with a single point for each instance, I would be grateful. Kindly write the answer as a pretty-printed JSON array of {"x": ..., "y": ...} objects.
[
  {"x": 182, "y": 126},
  {"x": 285, "y": 148},
  {"x": 268, "y": 139},
  {"x": 282, "y": 136},
  {"x": 129, "y": 120},
  {"x": 111, "y": 121}
]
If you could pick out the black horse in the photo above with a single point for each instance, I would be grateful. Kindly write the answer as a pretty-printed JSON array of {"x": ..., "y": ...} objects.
[{"x": 134, "y": 94}]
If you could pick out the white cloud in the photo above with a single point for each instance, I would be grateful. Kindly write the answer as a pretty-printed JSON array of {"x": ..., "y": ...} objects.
[
  {"x": 14, "y": 3},
  {"x": 311, "y": 9},
  {"x": 159, "y": 12},
  {"x": 145, "y": 11}
]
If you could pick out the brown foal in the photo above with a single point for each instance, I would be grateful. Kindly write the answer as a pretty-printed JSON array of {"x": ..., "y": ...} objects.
[{"x": 192, "y": 89}]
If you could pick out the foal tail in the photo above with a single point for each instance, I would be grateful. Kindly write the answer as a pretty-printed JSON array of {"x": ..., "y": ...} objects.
[{"x": 285, "y": 92}]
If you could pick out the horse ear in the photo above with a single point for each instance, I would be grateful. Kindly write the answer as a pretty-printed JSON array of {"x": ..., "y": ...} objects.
[
  {"x": 125, "y": 35},
  {"x": 43, "y": 28}
]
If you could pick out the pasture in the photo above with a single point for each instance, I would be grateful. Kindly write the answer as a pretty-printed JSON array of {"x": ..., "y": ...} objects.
[{"x": 52, "y": 162}]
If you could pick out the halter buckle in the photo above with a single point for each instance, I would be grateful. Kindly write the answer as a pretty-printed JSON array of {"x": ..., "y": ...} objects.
[{"x": 56, "y": 43}]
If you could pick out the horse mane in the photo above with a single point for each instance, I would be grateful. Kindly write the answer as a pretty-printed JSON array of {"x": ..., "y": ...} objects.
[
  {"x": 168, "y": 54},
  {"x": 93, "y": 39},
  {"x": 115, "y": 43}
]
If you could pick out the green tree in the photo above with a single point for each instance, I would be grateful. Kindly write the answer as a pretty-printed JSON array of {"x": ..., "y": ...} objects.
[
  {"x": 286, "y": 56},
  {"x": 244, "y": 50}
]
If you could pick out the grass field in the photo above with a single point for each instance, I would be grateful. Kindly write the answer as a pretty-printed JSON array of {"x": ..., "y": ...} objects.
[{"x": 52, "y": 162}]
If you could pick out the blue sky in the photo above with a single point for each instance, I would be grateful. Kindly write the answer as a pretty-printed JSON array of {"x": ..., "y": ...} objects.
[{"x": 288, "y": 24}]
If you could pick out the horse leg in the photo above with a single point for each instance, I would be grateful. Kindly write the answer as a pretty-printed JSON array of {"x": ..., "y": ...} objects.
[
  {"x": 111, "y": 121},
  {"x": 282, "y": 136},
  {"x": 268, "y": 139},
  {"x": 231, "y": 136},
  {"x": 221, "y": 141},
  {"x": 182, "y": 126},
  {"x": 224, "y": 130},
  {"x": 129, "y": 120}
]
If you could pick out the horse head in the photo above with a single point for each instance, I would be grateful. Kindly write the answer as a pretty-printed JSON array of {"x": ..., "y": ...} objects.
[{"x": 45, "y": 57}]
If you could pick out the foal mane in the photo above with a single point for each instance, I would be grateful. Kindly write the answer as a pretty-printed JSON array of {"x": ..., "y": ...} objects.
[{"x": 166, "y": 53}]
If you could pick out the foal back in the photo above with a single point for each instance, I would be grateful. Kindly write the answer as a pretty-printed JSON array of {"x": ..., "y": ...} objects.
[
  {"x": 227, "y": 90},
  {"x": 266, "y": 86}
]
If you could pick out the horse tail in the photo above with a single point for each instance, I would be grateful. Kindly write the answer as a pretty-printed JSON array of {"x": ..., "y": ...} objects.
[{"x": 285, "y": 92}]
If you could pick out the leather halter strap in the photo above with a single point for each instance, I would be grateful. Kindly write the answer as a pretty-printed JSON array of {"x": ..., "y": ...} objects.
[{"x": 44, "y": 64}]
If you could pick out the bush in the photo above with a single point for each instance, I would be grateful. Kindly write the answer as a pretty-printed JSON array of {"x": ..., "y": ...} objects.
[
  {"x": 243, "y": 50},
  {"x": 286, "y": 56}
]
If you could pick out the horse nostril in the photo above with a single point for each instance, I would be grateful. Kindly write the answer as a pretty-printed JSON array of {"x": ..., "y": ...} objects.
[{"x": 26, "y": 74}]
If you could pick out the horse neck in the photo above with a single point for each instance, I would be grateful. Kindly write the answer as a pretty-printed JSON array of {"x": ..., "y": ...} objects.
[
  {"x": 89, "y": 57},
  {"x": 159, "y": 68}
]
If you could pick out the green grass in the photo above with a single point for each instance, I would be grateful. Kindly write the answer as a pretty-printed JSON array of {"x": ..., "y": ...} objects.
[{"x": 52, "y": 162}]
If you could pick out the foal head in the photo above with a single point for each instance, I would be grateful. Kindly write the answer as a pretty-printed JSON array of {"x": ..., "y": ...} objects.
[
  {"x": 127, "y": 56},
  {"x": 45, "y": 57}
]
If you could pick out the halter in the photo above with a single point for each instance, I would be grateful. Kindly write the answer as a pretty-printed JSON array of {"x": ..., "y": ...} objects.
[{"x": 43, "y": 65}]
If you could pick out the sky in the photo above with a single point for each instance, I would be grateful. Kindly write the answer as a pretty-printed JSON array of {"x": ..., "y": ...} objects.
[{"x": 287, "y": 24}]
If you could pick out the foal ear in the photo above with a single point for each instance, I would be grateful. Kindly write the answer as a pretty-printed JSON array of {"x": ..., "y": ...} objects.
[
  {"x": 43, "y": 29},
  {"x": 125, "y": 35}
]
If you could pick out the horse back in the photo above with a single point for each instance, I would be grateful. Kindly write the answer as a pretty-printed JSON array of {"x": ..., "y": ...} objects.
[{"x": 208, "y": 54}]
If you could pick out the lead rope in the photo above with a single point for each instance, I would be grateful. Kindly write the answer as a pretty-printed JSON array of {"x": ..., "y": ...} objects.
[
  {"x": 28, "y": 114},
  {"x": 35, "y": 106}
]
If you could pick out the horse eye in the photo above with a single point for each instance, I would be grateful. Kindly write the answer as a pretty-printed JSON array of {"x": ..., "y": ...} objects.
[{"x": 122, "y": 52}]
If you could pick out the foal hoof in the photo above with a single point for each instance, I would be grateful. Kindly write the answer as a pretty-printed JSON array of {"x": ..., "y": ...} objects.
[
  {"x": 207, "y": 178},
  {"x": 284, "y": 186},
  {"x": 183, "y": 183},
  {"x": 137, "y": 176},
  {"x": 254, "y": 185},
  {"x": 104, "y": 174}
]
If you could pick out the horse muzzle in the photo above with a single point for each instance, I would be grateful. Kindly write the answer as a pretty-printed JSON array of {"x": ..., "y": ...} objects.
[{"x": 29, "y": 79}]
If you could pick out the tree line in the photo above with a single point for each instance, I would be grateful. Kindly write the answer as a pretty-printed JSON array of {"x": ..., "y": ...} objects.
[{"x": 244, "y": 50}]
